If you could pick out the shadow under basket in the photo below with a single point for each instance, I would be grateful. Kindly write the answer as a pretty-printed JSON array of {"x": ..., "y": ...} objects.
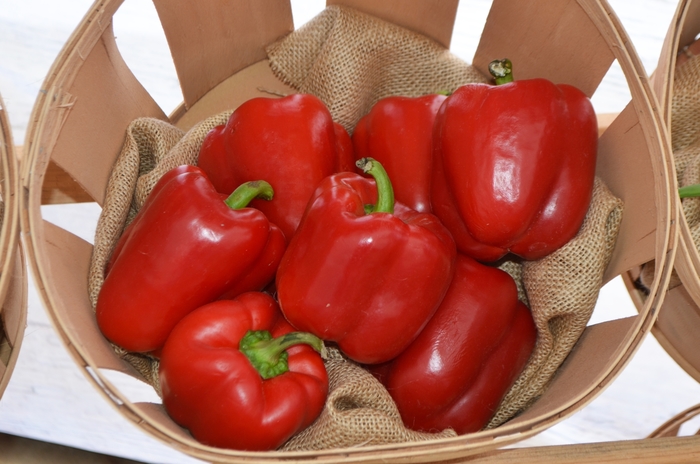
[
  {"x": 13, "y": 270},
  {"x": 90, "y": 96}
]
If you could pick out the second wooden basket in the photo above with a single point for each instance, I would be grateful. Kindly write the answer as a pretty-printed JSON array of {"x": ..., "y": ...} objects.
[
  {"x": 678, "y": 325},
  {"x": 13, "y": 274},
  {"x": 91, "y": 95}
]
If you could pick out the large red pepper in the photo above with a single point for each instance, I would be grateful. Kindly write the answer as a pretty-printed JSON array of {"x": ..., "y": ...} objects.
[
  {"x": 397, "y": 132},
  {"x": 514, "y": 165},
  {"x": 368, "y": 281},
  {"x": 187, "y": 246},
  {"x": 235, "y": 375},
  {"x": 456, "y": 373},
  {"x": 291, "y": 142}
]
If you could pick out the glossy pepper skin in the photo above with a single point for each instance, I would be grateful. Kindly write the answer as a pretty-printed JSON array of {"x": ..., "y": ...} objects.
[
  {"x": 368, "y": 281},
  {"x": 235, "y": 375},
  {"x": 397, "y": 132},
  {"x": 514, "y": 166},
  {"x": 186, "y": 247},
  {"x": 456, "y": 373},
  {"x": 291, "y": 142}
]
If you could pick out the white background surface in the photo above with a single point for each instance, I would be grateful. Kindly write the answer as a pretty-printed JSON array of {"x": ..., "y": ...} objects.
[{"x": 49, "y": 399}]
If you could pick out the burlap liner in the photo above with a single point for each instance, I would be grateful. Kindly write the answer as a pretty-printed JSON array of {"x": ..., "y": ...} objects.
[
  {"x": 685, "y": 138},
  {"x": 359, "y": 412},
  {"x": 378, "y": 59},
  {"x": 561, "y": 289}
]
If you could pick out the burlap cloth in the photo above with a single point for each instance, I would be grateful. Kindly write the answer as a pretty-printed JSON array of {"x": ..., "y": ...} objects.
[
  {"x": 685, "y": 137},
  {"x": 351, "y": 60}
]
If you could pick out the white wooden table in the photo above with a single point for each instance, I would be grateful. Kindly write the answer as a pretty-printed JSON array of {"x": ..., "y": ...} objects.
[{"x": 49, "y": 399}]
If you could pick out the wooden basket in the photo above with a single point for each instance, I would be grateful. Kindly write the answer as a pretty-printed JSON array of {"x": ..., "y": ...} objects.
[
  {"x": 90, "y": 96},
  {"x": 13, "y": 270},
  {"x": 678, "y": 324}
]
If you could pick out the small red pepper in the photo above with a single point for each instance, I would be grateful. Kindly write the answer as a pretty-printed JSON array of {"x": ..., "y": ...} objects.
[
  {"x": 368, "y": 281},
  {"x": 514, "y": 165},
  {"x": 235, "y": 374},
  {"x": 187, "y": 246},
  {"x": 456, "y": 373},
  {"x": 397, "y": 132},
  {"x": 291, "y": 142}
]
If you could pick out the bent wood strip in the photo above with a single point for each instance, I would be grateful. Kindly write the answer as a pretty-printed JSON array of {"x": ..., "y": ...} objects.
[{"x": 210, "y": 40}]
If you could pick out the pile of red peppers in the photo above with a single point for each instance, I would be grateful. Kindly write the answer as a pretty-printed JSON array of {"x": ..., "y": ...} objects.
[{"x": 291, "y": 235}]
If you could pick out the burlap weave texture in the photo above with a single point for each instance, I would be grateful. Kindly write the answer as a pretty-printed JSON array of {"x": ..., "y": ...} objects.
[
  {"x": 685, "y": 137},
  {"x": 351, "y": 60}
]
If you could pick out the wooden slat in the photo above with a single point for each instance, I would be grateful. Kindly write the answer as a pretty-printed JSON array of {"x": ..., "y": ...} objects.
[
  {"x": 624, "y": 164},
  {"x": 432, "y": 19},
  {"x": 212, "y": 39},
  {"x": 59, "y": 187},
  {"x": 102, "y": 98},
  {"x": 569, "y": 47},
  {"x": 65, "y": 267}
]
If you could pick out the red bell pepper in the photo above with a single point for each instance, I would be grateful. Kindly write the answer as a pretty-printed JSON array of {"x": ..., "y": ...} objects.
[
  {"x": 291, "y": 142},
  {"x": 456, "y": 373},
  {"x": 514, "y": 165},
  {"x": 397, "y": 132},
  {"x": 187, "y": 246},
  {"x": 368, "y": 281},
  {"x": 235, "y": 375}
]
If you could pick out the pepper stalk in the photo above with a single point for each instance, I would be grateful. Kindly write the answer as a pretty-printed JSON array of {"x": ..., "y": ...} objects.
[
  {"x": 385, "y": 191},
  {"x": 269, "y": 355},
  {"x": 502, "y": 71},
  {"x": 689, "y": 191},
  {"x": 247, "y": 192}
]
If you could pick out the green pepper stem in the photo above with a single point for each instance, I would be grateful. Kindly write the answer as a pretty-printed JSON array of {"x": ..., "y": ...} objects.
[
  {"x": 385, "y": 192},
  {"x": 247, "y": 192},
  {"x": 269, "y": 356},
  {"x": 502, "y": 71},
  {"x": 689, "y": 191}
]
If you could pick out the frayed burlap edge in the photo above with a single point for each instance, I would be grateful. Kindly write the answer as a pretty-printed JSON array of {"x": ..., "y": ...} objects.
[{"x": 562, "y": 290}]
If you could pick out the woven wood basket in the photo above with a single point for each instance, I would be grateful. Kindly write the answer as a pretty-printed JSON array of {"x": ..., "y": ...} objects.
[
  {"x": 678, "y": 321},
  {"x": 13, "y": 270},
  {"x": 90, "y": 96}
]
